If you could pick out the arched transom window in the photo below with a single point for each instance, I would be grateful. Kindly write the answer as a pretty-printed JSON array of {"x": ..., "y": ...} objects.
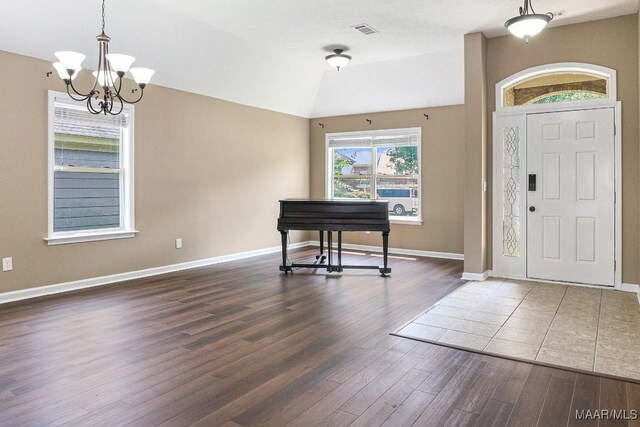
[{"x": 552, "y": 84}]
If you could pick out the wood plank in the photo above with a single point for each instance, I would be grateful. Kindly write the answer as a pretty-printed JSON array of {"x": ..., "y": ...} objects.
[
  {"x": 527, "y": 408},
  {"x": 633, "y": 402},
  {"x": 490, "y": 377},
  {"x": 380, "y": 410},
  {"x": 613, "y": 397},
  {"x": 445, "y": 402},
  {"x": 409, "y": 411},
  {"x": 338, "y": 419},
  {"x": 496, "y": 413},
  {"x": 460, "y": 418},
  {"x": 512, "y": 383},
  {"x": 557, "y": 404},
  {"x": 586, "y": 396}
]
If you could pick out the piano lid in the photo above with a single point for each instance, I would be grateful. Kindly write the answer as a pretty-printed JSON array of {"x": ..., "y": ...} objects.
[
  {"x": 335, "y": 215},
  {"x": 320, "y": 200}
]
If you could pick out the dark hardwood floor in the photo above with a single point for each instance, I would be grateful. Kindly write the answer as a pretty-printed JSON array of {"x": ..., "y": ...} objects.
[{"x": 242, "y": 344}]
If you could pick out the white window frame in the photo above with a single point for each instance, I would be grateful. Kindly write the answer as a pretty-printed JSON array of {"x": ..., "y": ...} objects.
[
  {"x": 127, "y": 207},
  {"x": 417, "y": 220}
]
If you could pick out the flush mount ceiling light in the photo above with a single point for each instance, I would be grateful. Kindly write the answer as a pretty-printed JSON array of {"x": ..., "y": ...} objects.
[
  {"x": 105, "y": 96},
  {"x": 338, "y": 59},
  {"x": 528, "y": 24}
]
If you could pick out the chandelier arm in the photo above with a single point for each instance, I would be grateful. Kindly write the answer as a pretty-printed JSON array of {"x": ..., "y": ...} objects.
[
  {"x": 109, "y": 77},
  {"x": 83, "y": 97},
  {"x": 121, "y": 106},
  {"x": 119, "y": 87},
  {"x": 132, "y": 102},
  {"x": 90, "y": 107},
  {"x": 531, "y": 7}
]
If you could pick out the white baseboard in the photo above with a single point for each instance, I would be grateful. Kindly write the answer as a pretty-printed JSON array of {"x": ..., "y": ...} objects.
[
  {"x": 396, "y": 251},
  {"x": 476, "y": 277},
  {"x": 121, "y": 277}
]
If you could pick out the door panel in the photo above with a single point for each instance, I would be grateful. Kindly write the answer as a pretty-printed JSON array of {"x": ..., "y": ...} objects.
[
  {"x": 551, "y": 238},
  {"x": 570, "y": 231},
  {"x": 551, "y": 176}
]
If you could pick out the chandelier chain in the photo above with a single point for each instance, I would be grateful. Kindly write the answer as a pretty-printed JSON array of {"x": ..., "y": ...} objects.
[{"x": 103, "y": 15}]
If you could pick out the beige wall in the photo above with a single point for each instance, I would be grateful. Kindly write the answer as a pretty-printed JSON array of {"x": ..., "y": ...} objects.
[
  {"x": 475, "y": 198},
  {"x": 442, "y": 174},
  {"x": 611, "y": 43},
  {"x": 208, "y": 171}
]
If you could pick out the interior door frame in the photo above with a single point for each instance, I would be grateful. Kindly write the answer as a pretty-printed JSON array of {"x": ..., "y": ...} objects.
[{"x": 516, "y": 117}]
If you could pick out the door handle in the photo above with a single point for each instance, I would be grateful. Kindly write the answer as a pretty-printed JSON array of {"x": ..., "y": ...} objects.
[
  {"x": 532, "y": 208},
  {"x": 532, "y": 182}
]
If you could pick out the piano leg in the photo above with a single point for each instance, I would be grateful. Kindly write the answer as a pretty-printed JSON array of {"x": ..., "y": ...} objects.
[
  {"x": 284, "y": 267},
  {"x": 329, "y": 251},
  {"x": 321, "y": 258},
  {"x": 339, "y": 251},
  {"x": 385, "y": 255}
]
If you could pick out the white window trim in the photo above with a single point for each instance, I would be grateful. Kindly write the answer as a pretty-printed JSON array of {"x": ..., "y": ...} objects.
[
  {"x": 127, "y": 197},
  {"x": 367, "y": 134}
]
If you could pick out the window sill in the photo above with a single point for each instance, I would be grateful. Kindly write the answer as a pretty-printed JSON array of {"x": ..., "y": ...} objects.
[
  {"x": 89, "y": 237},
  {"x": 407, "y": 221}
]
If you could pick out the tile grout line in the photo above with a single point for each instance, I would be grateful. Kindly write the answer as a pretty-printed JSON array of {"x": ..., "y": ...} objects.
[
  {"x": 595, "y": 350},
  {"x": 552, "y": 320},
  {"x": 510, "y": 316}
]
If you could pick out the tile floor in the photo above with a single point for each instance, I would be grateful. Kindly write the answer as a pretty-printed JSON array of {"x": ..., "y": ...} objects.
[{"x": 585, "y": 328}]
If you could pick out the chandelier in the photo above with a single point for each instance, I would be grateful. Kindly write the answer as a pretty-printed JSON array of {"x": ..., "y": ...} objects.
[
  {"x": 528, "y": 25},
  {"x": 106, "y": 94}
]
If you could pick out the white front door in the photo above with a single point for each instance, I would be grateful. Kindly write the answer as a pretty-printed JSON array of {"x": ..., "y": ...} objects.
[{"x": 571, "y": 210}]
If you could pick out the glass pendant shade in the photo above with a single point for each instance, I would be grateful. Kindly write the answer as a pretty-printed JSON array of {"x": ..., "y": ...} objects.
[
  {"x": 70, "y": 60},
  {"x": 120, "y": 63},
  {"x": 63, "y": 73},
  {"x": 104, "y": 79},
  {"x": 338, "y": 59},
  {"x": 526, "y": 26},
  {"x": 142, "y": 76}
]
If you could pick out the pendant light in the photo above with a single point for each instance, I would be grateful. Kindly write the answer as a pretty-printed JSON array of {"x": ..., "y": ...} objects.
[
  {"x": 528, "y": 24},
  {"x": 338, "y": 59}
]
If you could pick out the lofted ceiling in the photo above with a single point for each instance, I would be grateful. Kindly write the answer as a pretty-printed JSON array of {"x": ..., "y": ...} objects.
[{"x": 270, "y": 54}]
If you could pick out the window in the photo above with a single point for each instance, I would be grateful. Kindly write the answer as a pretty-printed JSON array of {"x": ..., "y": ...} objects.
[
  {"x": 90, "y": 173},
  {"x": 552, "y": 87},
  {"x": 382, "y": 165},
  {"x": 567, "y": 96}
]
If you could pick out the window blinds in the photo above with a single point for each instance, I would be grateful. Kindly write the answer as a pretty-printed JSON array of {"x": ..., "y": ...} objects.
[
  {"x": 76, "y": 113},
  {"x": 400, "y": 138}
]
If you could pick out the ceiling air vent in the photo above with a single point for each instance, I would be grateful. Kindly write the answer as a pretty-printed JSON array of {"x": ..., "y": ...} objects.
[{"x": 365, "y": 29}]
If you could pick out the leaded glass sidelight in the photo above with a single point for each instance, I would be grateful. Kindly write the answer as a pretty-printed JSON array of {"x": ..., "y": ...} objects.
[{"x": 511, "y": 196}]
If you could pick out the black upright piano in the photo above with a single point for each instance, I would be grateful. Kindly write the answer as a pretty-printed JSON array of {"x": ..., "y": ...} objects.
[{"x": 333, "y": 216}]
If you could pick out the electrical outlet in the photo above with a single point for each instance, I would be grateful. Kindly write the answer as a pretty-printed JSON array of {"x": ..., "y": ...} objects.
[
  {"x": 7, "y": 264},
  {"x": 179, "y": 243}
]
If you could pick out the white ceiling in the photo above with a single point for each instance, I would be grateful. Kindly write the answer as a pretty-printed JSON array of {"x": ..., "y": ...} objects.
[{"x": 270, "y": 54}]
